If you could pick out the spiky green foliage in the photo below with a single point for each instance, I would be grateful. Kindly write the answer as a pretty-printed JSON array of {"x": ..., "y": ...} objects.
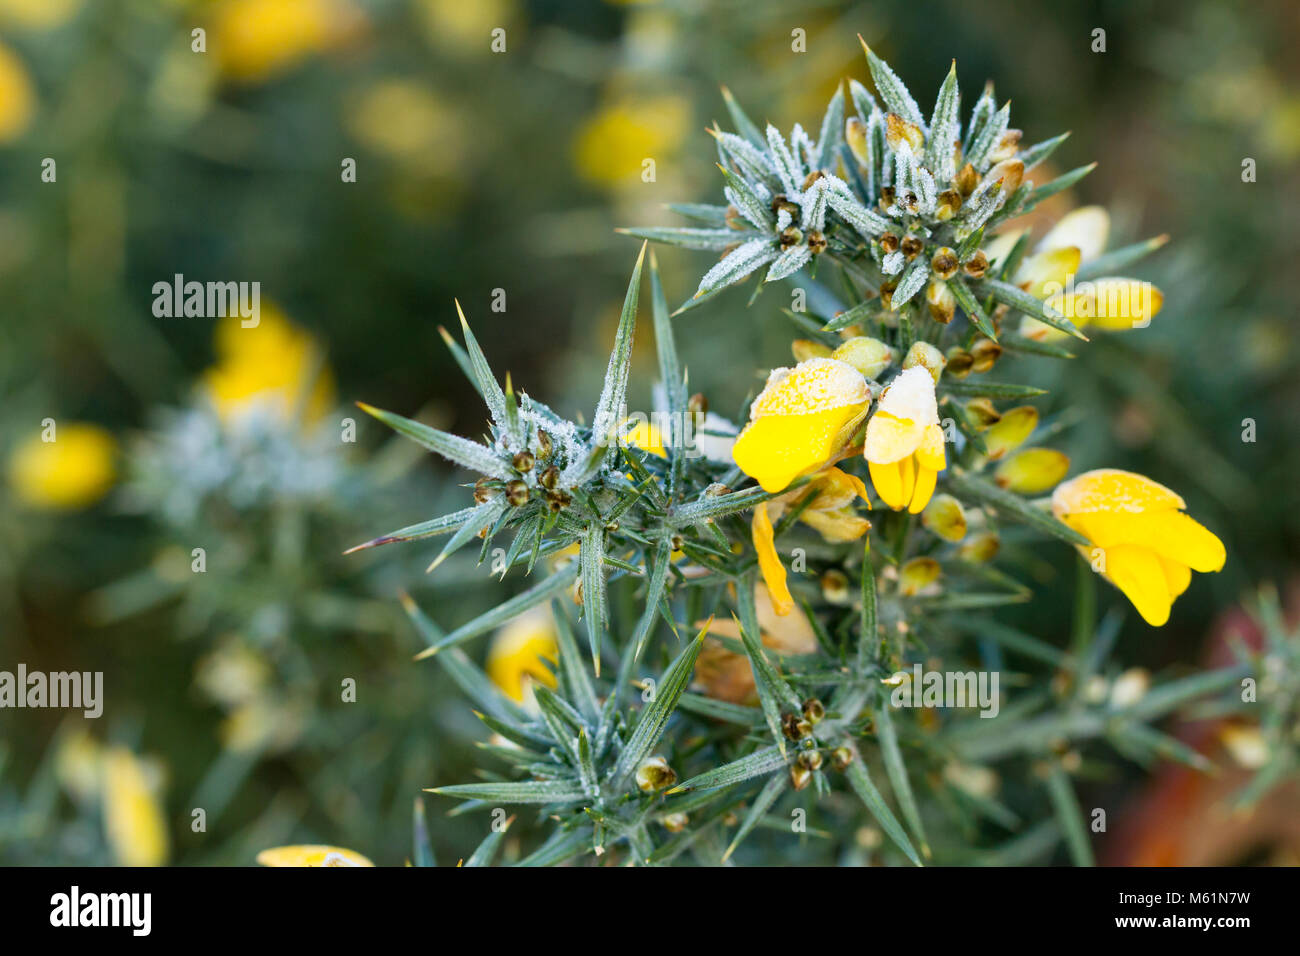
[{"x": 634, "y": 756}]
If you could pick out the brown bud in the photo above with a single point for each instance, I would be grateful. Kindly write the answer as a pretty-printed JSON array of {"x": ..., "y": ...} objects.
[
  {"x": 949, "y": 203},
  {"x": 966, "y": 180},
  {"x": 485, "y": 489},
  {"x": 984, "y": 353},
  {"x": 941, "y": 302},
  {"x": 886, "y": 197},
  {"x": 516, "y": 493},
  {"x": 800, "y": 776},
  {"x": 982, "y": 410},
  {"x": 841, "y": 757},
  {"x": 911, "y": 247},
  {"x": 791, "y": 236},
  {"x": 959, "y": 362},
  {"x": 888, "y": 242},
  {"x": 557, "y": 501},
  {"x": 697, "y": 404},
  {"x": 795, "y": 727},
  {"x": 835, "y": 586},
  {"x": 549, "y": 478},
  {"x": 735, "y": 220},
  {"x": 812, "y": 177},
  {"x": 523, "y": 462},
  {"x": 944, "y": 263},
  {"x": 676, "y": 541},
  {"x": 812, "y": 759},
  {"x": 813, "y": 710},
  {"x": 976, "y": 265},
  {"x": 544, "y": 444},
  {"x": 816, "y": 242}
]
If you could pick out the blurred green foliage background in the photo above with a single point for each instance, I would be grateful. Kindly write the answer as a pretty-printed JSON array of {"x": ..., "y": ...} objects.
[{"x": 479, "y": 171}]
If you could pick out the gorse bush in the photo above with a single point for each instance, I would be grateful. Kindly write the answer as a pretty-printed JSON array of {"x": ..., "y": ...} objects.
[{"x": 775, "y": 642}]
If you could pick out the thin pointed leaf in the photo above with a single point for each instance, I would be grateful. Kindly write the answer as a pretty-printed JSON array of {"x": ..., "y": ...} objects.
[
  {"x": 898, "y": 779},
  {"x": 1070, "y": 816},
  {"x": 1035, "y": 308},
  {"x": 613, "y": 394},
  {"x": 892, "y": 91},
  {"x": 461, "y": 451},
  {"x": 518, "y": 791},
  {"x": 487, "y": 384},
  {"x": 757, "y": 764},
  {"x": 974, "y": 312},
  {"x": 770, "y": 793},
  {"x": 487, "y": 850},
  {"x": 860, "y": 781}
]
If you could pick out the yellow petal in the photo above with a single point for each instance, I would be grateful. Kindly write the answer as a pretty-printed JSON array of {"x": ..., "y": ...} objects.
[
  {"x": 907, "y": 477},
  {"x": 1137, "y": 572},
  {"x": 769, "y": 563},
  {"x": 1173, "y": 535},
  {"x": 133, "y": 816},
  {"x": 1045, "y": 273},
  {"x": 945, "y": 517},
  {"x": 1123, "y": 303},
  {"x": 311, "y": 855},
  {"x": 1086, "y": 228},
  {"x": 73, "y": 471},
  {"x": 1112, "y": 489},
  {"x": 777, "y": 449},
  {"x": 888, "y": 482},
  {"x": 1177, "y": 576},
  {"x": 918, "y": 574},
  {"x": 836, "y": 525},
  {"x": 925, "y": 482},
  {"x": 890, "y": 438},
  {"x": 646, "y": 436},
  {"x": 930, "y": 453}
]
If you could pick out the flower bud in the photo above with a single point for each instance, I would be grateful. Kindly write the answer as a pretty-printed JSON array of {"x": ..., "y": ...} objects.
[
  {"x": 1010, "y": 172},
  {"x": 1007, "y": 146},
  {"x": 1033, "y": 471},
  {"x": 944, "y": 263},
  {"x": 941, "y": 302},
  {"x": 945, "y": 517},
  {"x": 982, "y": 410},
  {"x": 928, "y": 357},
  {"x": 918, "y": 575},
  {"x": 841, "y": 757},
  {"x": 549, "y": 478},
  {"x": 544, "y": 444},
  {"x": 813, "y": 710},
  {"x": 966, "y": 180},
  {"x": 812, "y": 759},
  {"x": 698, "y": 404},
  {"x": 655, "y": 774},
  {"x": 976, "y": 780},
  {"x": 1129, "y": 688},
  {"x": 888, "y": 242},
  {"x": 523, "y": 462},
  {"x": 557, "y": 501},
  {"x": 816, "y": 242},
  {"x": 981, "y": 547},
  {"x": 835, "y": 586},
  {"x": 800, "y": 776},
  {"x": 855, "y": 134},
  {"x": 976, "y": 265},
  {"x": 869, "y": 356},
  {"x": 911, "y": 247},
  {"x": 516, "y": 493},
  {"x": 984, "y": 353},
  {"x": 1011, "y": 431},
  {"x": 1247, "y": 745},
  {"x": 674, "y": 822},
  {"x": 804, "y": 349},
  {"x": 485, "y": 489},
  {"x": 949, "y": 204},
  {"x": 795, "y": 727},
  {"x": 791, "y": 236},
  {"x": 734, "y": 220},
  {"x": 899, "y": 131}
]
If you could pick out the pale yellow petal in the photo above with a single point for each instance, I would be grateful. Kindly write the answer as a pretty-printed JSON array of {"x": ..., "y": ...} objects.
[
  {"x": 311, "y": 855},
  {"x": 931, "y": 453},
  {"x": 890, "y": 438},
  {"x": 1045, "y": 273},
  {"x": 888, "y": 482},
  {"x": 1111, "y": 489},
  {"x": 1086, "y": 228}
]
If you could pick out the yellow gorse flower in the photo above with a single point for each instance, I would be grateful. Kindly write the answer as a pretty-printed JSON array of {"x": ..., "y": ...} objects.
[
  {"x": 613, "y": 143},
  {"x": 830, "y": 513},
  {"x": 801, "y": 421},
  {"x": 1148, "y": 545},
  {"x": 133, "y": 816},
  {"x": 311, "y": 854},
  {"x": 17, "y": 98},
  {"x": 255, "y": 39},
  {"x": 515, "y": 657},
  {"x": 73, "y": 471},
  {"x": 272, "y": 366},
  {"x": 904, "y": 443}
]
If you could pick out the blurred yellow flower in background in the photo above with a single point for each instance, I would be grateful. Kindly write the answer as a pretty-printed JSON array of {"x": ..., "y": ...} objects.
[
  {"x": 78, "y": 764},
  {"x": 133, "y": 815},
  {"x": 904, "y": 443},
  {"x": 311, "y": 855},
  {"x": 255, "y": 39},
  {"x": 461, "y": 27},
  {"x": 73, "y": 471},
  {"x": 273, "y": 366},
  {"x": 407, "y": 121},
  {"x": 1149, "y": 546},
  {"x": 38, "y": 14},
  {"x": 514, "y": 659},
  {"x": 17, "y": 98},
  {"x": 612, "y": 144}
]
